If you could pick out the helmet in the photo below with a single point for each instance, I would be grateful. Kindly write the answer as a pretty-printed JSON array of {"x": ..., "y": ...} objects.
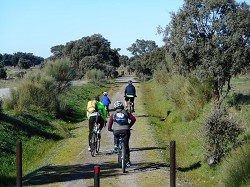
[
  {"x": 118, "y": 105},
  {"x": 96, "y": 98},
  {"x": 129, "y": 82},
  {"x": 105, "y": 93}
]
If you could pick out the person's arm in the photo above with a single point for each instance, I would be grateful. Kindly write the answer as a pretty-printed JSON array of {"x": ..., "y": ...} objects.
[
  {"x": 125, "y": 92},
  {"x": 110, "y": 123},
  {"x": 135, "y": 92},
  {"x": 109, "y": 101},
  {"x": 132, "y": 119}
]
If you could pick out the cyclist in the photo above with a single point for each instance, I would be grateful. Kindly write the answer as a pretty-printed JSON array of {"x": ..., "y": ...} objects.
[
  {"x": 130, "y": 94},
  {"x": 120, "y": 122},
  {"x": 99, "y": 113},
  {"x": 106, "y": 101}
]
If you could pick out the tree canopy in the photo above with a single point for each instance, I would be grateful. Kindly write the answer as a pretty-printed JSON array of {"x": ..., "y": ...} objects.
[
  {"x": 141, "y": 47},
  {"x": 20, "y": 59},
  {"x": 89, "y": 52},
  {"x": 211, "y": 38}
]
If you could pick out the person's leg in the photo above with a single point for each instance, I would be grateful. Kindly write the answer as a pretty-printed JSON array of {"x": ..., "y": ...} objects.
[
  {"x": 101, "y": 122},
  {"x": 132, "y": 100},
  {"x": 126, "y": 142},
  {"x": 116, "y": 139},
  {"x": 126, "y": 102},
  {"x": 108, "y": 110}
]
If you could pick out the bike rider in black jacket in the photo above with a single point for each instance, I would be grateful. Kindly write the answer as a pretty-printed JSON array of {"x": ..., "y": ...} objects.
[{"x": 130, "y": 94}]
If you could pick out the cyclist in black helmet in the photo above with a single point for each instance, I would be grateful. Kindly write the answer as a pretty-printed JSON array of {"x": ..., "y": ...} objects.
[
  {"x": 120, "y": 122},
  {"x": 130, "y": 94}
]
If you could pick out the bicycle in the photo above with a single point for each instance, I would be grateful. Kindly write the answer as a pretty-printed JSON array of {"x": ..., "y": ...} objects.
[
  {"x": 95, "y": 141},
  {"x": 122, "y": 156},
  {"x": 130, "y": 105}
]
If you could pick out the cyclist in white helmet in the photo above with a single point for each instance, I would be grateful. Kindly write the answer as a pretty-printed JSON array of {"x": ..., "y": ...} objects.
[
  {"x": 106, "y": 101},
  {"x": 120, "y": 122}
]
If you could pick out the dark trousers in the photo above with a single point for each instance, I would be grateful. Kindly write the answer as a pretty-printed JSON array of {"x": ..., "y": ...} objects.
[
  {"x": 92, "y": 120},
  {"x": 126, "y": 139},
  {"x": 107, "y": 109}
]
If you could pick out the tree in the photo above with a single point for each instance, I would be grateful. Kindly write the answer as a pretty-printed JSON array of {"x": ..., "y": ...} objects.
[
  {"x": 3, "y": 73},
  {"x": 141, "y": 47},
  {"x": 124, "y": 60},
  {"x": 87, "y": 49},
  {"x": 211, "y": 38},
  {"x": 57, "y": 50},
  {"x": 151, "y": 60}
]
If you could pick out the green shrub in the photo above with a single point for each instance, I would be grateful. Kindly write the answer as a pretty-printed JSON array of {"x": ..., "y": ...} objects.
[
  {"x": 95, "y": 75},
  {"x": 188, "y": 95},
  {"x": 43, "y": 88},
  {"x": 221, "y": 132},
  {"x": 236, "y": 168}
]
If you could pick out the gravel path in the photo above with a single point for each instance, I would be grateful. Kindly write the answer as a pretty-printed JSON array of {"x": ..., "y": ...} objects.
[{"x": 148, "y": 168}]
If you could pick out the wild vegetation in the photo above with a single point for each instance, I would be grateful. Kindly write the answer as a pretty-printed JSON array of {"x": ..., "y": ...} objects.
[
  {"x": 169, "y": 122},
  {"x": 197, "y": 93},
  {"x": 39, "y": 130}
]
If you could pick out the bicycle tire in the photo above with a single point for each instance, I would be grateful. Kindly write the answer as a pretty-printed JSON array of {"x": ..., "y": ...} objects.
[
  {"x": 123, "y": 160},
  {"x": 98, "y": 144},
  {"x": 93, "y": 145},
  {"x": 130, "y": 107},
  {"x": 119, "y": 157}
]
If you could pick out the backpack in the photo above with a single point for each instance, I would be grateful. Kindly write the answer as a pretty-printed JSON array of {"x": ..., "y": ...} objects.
[
  {"x": 121, "y": 118},
  {"x": 92, "y": 106}
]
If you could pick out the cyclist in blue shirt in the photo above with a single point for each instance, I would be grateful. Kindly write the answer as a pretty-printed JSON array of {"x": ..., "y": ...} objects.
[{"x": 106, "y": 101}]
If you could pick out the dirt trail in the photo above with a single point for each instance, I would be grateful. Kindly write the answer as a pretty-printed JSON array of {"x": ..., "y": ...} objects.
[{"x": 147, "y": 170}]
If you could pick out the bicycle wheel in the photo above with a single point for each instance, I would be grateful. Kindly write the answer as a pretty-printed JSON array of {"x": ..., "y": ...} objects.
[
  {"x": 123, "y": 157},
  {"x": 119, "y": 157},
  {"x": 93, "y": 144},
  {"x": 130, "y": 107},
  {"x": 98, "y": 144}
]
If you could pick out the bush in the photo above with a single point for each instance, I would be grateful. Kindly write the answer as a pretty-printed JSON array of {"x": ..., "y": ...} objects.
[
  {"x": 95, "y": 75},
  {"x": 42, "y": 88},
  {"x": 187, "y": 94},
  {"x": 221, "y": 132},
  {"x": 236, "y": 168}
]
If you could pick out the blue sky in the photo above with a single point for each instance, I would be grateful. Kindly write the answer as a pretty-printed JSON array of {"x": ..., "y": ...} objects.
[{"x": 34, "y": 26}]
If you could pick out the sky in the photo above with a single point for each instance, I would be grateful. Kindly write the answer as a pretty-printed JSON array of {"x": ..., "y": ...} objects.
[{"x": 34, "y": 26}]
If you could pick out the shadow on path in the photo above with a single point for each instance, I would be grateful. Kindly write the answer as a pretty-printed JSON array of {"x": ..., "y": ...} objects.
[
  {"x": 53, "y": 174},
  {"x": 147, "y": 148}
]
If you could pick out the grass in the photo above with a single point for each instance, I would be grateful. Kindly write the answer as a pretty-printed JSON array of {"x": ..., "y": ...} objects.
[
  {"x": 40, "y": 132},
  {"x": 192, "y": 169}
]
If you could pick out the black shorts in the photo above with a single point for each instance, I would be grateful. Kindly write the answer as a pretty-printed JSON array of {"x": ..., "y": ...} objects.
[{"x": 130, "y": 99}]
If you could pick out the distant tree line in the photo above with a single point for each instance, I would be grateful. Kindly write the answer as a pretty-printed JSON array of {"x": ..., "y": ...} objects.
[{"x": 20, "y": 60}]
